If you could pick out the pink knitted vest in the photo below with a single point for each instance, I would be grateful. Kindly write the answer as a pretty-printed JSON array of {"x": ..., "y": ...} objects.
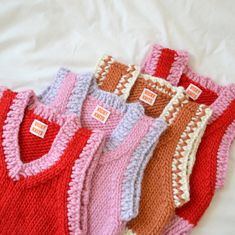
[{"x": 130, "y": 135}]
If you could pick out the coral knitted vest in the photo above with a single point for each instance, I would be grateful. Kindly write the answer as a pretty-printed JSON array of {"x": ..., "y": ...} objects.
[
  {"x": 42, "y": 179},
  {"x": 165, "y": 182},
  {"x": 131, "y": 135},
  {"x": 212, "y": 157}
]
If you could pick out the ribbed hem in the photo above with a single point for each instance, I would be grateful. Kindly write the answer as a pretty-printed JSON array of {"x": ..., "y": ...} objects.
[{"x": 156, "y": 59}]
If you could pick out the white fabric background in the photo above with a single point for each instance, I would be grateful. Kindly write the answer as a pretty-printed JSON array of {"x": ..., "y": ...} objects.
[{"x": 37, "y": 37}]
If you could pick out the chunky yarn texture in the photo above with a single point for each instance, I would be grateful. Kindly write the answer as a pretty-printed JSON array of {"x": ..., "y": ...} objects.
[
  {"x": 166, "y": 179},
  {"x": 43, "y": 181},
  {"x": 212, "y": 157},
  {"x": 130, "y": 137}
]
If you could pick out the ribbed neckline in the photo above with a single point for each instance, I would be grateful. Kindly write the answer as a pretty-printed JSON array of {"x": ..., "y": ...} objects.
[
  {"x": 85, "y": 85},
  {"x": 226, "y": 94},
  {"x": 177, "y": 94},
  {"x": 69, "y": 124}
]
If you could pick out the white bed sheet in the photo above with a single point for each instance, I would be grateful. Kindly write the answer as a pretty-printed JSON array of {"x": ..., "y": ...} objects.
[{"x": 37, "y": 37}]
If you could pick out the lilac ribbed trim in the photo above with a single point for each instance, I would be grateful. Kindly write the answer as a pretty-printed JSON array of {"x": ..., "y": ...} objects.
[
  {"x": 126, "y": 130},
  {"x": 85, "y": 86},
  {"x": 135, "y": 170},
  {"x": 47, "y": 96},
  {"x": 72, "y": 88},
  {"x": 223, "y": 155},
  {"x": 79, "y": 93},
  {"x": 79, "y": 185},
  {"x": 11, "y": 129},
  {"x": 150, "y": 63},
  {"x": 178, "y": 226}
]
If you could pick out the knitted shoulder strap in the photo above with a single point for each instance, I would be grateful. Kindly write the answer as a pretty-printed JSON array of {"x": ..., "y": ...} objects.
[
  {"x": 68, "y": 91},
  {"x": 118, "y": 81},
  {"x": 165, "y": 63}
]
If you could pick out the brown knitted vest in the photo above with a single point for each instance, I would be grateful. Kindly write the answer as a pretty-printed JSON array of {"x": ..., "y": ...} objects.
[{"x": 166, "y": 179}]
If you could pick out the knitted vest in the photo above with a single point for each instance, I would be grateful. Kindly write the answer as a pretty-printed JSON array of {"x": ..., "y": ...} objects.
[
  {"x": 45, "y": 162},
  {"x": 165, "y": 183},
  {"x": 212, "y": 157},
  {"x": 130, "y": 136}
]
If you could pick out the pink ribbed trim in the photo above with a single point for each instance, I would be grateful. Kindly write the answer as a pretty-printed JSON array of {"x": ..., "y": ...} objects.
[
  {"x": 225, "y": 93},
  {"x": 206, "y": 82},
  {"x": 11, "y": 129},
  {"x": 226, "y": 96},
  {"x": 87, "y": 187},
  {"x": 150, "y": 63},
  {"x": 223, "y": 155},
  {"x": 78, "y": 192},
  {"x": 178, "y": 67},
  {"x": 178, "y": 226},
  {"x": 51, "y": 114}
]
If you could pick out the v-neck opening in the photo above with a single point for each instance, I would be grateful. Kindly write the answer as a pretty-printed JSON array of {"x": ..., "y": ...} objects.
[
  {"x": 126, "y": 77},
  {"x": 85, "y": 85},
  {"x": 69, "y": 124}
]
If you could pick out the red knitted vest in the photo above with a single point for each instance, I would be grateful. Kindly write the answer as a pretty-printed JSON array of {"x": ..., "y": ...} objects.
[
  {"x": 211, "y": 160},
  {"x": 42, "y": 195}
]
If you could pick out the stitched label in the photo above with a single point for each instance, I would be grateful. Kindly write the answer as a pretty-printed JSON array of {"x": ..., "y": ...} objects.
[
  {"x": 148, "y": 96},
  {"x": 101, "y": 114},
  {"x": 193, "y": 91},
  {"x": 38, "y": 128}
]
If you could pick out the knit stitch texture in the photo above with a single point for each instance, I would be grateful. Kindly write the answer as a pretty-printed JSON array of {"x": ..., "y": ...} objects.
[
  {"x": 130, "y": 137},
  {"x": 165, "y": 182},
  {"x": 212, "y": 157},
  {"x": 42, "y": 179}
]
